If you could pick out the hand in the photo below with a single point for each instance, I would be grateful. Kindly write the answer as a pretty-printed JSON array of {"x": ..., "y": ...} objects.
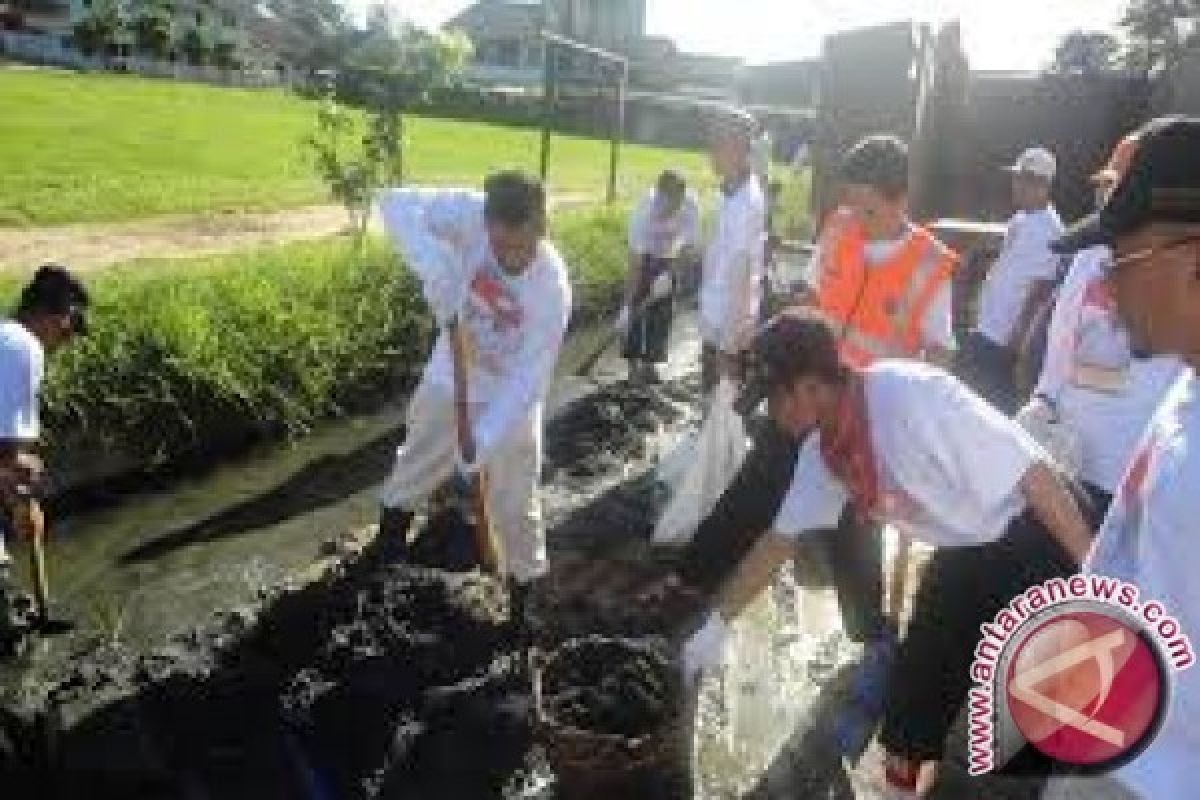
[
  {"x": 703, "y": 651},
  {"x": 662, "y": 286},
  {"x": 621, "y": 325}
]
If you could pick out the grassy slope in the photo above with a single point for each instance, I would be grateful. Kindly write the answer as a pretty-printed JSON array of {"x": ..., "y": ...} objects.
[
  {"x": 111, "y": 147},
  {"x": 200, "y": 361}
]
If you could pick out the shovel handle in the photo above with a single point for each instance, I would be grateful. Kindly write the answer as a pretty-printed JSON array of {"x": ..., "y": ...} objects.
[
  {"x": 485, "y": 537},
  {"x": 30, "y": 522},
  {"x": 900, "y": 569}
]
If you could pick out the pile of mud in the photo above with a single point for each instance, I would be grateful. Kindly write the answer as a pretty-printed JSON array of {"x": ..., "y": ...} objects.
[{"x": 374, "y": 681}]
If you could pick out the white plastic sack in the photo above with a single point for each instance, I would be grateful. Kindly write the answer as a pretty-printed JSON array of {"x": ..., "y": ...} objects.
[{"x": 701, "y": 468}]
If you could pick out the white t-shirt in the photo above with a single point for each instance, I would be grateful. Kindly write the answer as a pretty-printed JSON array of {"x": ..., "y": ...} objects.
[
  {"x": 731, "y": 289},
  {"x": 652, "y": 234},
  {"x": 1149, "y": 539},
  {"x": 22, "y": 368},
  {"x": 949, "y": 464},
  {"x": 515, "y": 324},
  {"x": 937, "y": 328},
  {"x": 1102, "y": 392},
  {"x": 1024, "y": 260}
]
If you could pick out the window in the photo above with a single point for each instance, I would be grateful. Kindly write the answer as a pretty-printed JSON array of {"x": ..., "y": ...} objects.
[{"x": 508, "y": 53}]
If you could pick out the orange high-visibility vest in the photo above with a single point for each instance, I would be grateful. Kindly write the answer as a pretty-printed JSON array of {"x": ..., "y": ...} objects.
[{"x": 879, "y": 311}]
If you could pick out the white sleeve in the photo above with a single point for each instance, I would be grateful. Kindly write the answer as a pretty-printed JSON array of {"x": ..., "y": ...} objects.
[
  {"x": 637, "y": 229},
  {"x": 19, "y": 415},
  {"x": 431, "y": 228},
  {"x": 937, "y": 328},
  {"x": 980, "y": 452},
  {"x": 816, "y": 498},
  {"x": 529, "y": 381},
  {"x": 691, "y": 222}
]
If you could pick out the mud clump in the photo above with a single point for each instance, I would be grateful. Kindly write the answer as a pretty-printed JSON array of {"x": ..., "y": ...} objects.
[{"x": 610, "y": 686}]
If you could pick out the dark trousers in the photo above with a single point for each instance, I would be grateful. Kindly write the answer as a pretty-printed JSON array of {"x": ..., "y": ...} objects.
[
  {"x": 963, "y": 588},
  {"x": 990, "y": 370},
  {"x": 747, "y": 509},
  {"x": 649, "y": 335}
]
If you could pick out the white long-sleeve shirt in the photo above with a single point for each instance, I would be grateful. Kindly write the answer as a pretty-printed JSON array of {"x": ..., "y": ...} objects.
[
  {"x": 1148, "y": 540},
  {"x": 731, "y": 290},
  {"x": 1105, "y": 394},
  {"x": 515, "y": 324},
  {"x": 1025, "y": 260},
  {"x": 653, "y": 234}
]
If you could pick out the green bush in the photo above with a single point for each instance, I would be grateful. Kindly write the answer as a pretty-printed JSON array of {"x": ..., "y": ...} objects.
[{"x": 191, "y": 360}]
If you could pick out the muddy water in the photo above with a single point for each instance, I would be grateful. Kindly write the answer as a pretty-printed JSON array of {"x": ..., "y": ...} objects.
[{"x": 163, "y": 561}]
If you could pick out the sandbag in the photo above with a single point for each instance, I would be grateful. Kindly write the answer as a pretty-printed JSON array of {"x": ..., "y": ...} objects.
[{"x": 701, "y": 468}]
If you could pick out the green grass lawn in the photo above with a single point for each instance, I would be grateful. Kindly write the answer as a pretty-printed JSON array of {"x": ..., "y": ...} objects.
[{"x": 112, "y": 147}]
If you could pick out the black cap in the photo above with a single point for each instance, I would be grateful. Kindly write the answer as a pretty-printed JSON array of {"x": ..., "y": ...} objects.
[{"x": 1162, "y": 185}]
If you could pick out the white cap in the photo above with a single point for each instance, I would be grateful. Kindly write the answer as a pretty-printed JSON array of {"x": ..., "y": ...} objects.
[{"x": 1036, "y": 161}]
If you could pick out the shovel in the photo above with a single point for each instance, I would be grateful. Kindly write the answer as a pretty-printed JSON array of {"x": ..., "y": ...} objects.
[
  {"x": 30, "y": 522},
  {"x": 485, "y": 537}
]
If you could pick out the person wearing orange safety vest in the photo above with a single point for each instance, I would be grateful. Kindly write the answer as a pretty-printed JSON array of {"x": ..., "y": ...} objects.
[{"x": 884, "y": 282}]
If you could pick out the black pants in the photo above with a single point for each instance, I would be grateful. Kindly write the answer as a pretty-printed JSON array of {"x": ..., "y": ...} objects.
[
  {"x": 747, "y": 509},
  {"x": 989, "y": 369},
  {"x": 649, "y": 335},
  {"x": 962, "y": 588}
]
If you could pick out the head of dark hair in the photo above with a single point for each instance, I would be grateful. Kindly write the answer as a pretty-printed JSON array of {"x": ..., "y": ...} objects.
[
  {"x": 671, "y": 183},
  {"x": 53, "y": 290},
  {"x": 797, "y": 343},
  {"x": 515, "y": 200},
  {"x": 879, "y": 161}
]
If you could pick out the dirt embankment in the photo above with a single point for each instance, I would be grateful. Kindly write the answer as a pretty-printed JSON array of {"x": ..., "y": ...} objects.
[{"x": 373, "y": 681}]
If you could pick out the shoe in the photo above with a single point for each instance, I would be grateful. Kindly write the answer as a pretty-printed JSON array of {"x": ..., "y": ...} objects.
[{"x": 392, "y": 540}]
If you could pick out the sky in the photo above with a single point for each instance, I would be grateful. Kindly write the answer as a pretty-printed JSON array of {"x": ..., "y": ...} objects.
[{"x": 997, "y": 34}]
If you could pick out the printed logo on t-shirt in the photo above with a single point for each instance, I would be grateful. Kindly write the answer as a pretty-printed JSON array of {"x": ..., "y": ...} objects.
[
  {"x": 495, "y": 318},
  {"x": 1102, "y": 343}
]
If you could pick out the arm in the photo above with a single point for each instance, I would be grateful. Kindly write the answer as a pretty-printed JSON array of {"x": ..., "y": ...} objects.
[
  {"x": 754, "y": 573},
  {"x": 1053, "y": 504},
  {"x": 430, "y": 229}
]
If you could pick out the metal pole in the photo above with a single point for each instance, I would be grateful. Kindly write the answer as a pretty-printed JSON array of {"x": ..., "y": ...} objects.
[
  {"x": 618, "y": 132},
  {"x": 549, "y": 79}
]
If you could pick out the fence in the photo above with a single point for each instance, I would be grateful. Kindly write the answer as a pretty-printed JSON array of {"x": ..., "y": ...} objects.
[{"x": 51, "y": 51}]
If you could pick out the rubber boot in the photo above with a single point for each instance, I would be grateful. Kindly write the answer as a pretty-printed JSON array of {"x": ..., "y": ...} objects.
[
  {"x": 391, "y": 543},
  {"x": 11, "y": 629}
]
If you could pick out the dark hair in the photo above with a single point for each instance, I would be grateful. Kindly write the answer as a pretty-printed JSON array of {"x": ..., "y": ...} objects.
[
  {"x": 797, "y": 343},
  {"x": 879, "y": 161},
  {"x": 53, "y": 290},
  {"x": 671, "y": 182},
  {"x": 515, "y": 200}
]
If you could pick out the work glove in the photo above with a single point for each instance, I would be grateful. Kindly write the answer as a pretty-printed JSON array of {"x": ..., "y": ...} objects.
[
  {"x": 1041, "y": 419},
  {"x": 705, "y": 648},
  {"x": 621, "y": 325},
  {"x": 662, "y": 286}
]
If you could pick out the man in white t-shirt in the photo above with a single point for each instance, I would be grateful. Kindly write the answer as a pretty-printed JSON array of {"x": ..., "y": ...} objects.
[
  {"x": 484, "y": 263},
  {"x": 1017, "y": 285},
  {"x": 50, "y": 312},
  {"x": 905, "y": 443},
  {"x": 731, "y": 284},
  {"x": 664, "y": 232},
  {"x": 1152, "y": 223}
]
